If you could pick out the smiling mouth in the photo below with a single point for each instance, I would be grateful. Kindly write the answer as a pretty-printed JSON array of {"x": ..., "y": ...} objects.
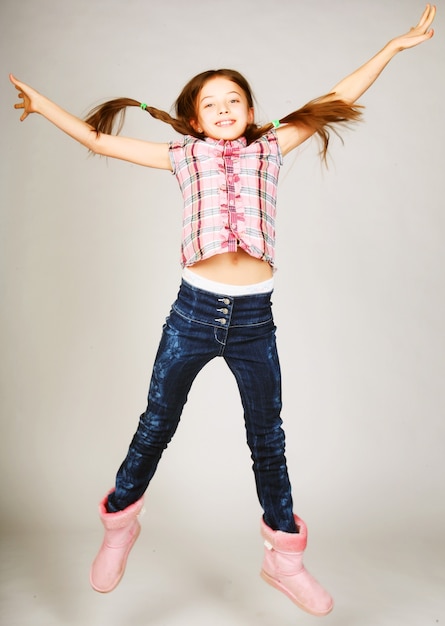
[{"x": 225, "y": 123}]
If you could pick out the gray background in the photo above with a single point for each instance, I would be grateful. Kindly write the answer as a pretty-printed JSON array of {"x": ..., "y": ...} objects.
[{"x": 89, "y": 267}]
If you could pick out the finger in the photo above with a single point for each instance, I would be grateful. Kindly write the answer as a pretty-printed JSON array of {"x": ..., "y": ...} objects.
[
  {"x": 423, "y": 19},
  {"x": 427, "y": 17},
  {"x": 424, "y": 15},
  {"x": 14, "y": 81},
  {"x": 431, "y": 16}
]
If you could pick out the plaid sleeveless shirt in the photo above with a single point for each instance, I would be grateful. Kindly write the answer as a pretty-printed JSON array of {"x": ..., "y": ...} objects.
[{"x": 229, "y": 190}]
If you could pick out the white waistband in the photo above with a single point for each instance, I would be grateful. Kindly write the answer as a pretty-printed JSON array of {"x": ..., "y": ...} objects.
[{"x": 265, "y": 286}]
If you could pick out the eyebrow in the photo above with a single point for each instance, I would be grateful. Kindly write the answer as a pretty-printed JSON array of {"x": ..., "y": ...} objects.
[{"x": 227, "y": 94}]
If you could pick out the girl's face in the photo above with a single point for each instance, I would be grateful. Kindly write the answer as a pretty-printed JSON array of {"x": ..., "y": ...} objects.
[{"x": 222, "y": 110}]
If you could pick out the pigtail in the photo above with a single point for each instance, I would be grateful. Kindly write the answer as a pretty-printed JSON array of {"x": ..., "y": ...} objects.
[
  {"x": 322, "y": 116},
  {"x": 105, "y": 117},
  {"x": 109, "y": 117}
]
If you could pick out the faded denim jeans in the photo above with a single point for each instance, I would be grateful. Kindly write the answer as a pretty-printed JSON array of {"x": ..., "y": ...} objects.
[{"x": 201, "y": 326}]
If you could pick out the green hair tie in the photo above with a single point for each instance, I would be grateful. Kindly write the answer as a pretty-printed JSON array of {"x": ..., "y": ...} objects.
[
  {"x": 276, "y": 123},
  {"x": 143, "y": 106}
]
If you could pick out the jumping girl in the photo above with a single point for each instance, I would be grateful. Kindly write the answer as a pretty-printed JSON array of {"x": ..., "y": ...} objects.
[{"x": 227, "y": 167}]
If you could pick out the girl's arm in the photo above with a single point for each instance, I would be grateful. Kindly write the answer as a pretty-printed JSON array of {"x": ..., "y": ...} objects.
[
  {"x": 134, "y": 150},
  {"x": 353, "y": 86}
]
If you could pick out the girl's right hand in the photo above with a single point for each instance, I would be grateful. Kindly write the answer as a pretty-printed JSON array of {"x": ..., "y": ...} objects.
[
  {"x": 136, "y": 151},
  {"x": 28, "y": 96}
]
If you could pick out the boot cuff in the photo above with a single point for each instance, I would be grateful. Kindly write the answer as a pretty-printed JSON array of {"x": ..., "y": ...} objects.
[
  {"x": 113, "y": 521},
  {"x": 286, "y": 542}
]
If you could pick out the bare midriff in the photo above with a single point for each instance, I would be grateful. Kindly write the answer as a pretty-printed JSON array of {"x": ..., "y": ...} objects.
[{"x": 233, "y": 268}]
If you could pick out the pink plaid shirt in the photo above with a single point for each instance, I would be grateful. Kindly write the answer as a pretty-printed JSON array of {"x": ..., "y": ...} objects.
[{"x": 229, "y": 191}]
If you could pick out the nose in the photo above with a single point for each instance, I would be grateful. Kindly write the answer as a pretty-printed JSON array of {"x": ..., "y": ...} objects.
[{"x": 223, "y": 109}]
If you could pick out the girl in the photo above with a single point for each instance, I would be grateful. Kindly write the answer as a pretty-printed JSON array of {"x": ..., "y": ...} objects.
[{"x": 227, "y": 168}]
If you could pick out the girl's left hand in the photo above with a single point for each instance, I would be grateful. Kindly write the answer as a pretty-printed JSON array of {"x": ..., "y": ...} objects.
[{"x": 417, "y": 34}]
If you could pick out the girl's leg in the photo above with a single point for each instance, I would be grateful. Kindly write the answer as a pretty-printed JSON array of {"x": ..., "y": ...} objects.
[
  {"x": 185, "y": 348},
  {"x": 254, "y": 361},
  {"x": 252, "y": 357},
  {"x": 183, "y": 351}
]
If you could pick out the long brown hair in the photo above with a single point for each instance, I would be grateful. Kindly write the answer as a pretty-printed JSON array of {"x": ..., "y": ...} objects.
[{"x": 321, "y": 115}]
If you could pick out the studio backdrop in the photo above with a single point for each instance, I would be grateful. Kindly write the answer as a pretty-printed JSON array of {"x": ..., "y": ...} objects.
[{"x": 89, "y": 251}]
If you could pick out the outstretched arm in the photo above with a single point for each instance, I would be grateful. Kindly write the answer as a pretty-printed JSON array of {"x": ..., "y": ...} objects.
[
  {"x": 354, "y": 86},
  {"x": 133, "y": 150}
]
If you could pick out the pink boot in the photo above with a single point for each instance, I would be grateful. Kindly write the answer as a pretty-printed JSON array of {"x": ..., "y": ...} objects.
[
  {"x": 121, "y": 531},
  {"x": 283, "y": 569}
]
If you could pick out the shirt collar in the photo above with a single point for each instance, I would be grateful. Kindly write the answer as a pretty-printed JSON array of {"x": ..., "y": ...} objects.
[{"x": 241, "y": 141}]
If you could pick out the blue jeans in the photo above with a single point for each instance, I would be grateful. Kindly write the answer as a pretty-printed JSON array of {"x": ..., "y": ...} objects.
[{"x": 201, "y": 326}]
